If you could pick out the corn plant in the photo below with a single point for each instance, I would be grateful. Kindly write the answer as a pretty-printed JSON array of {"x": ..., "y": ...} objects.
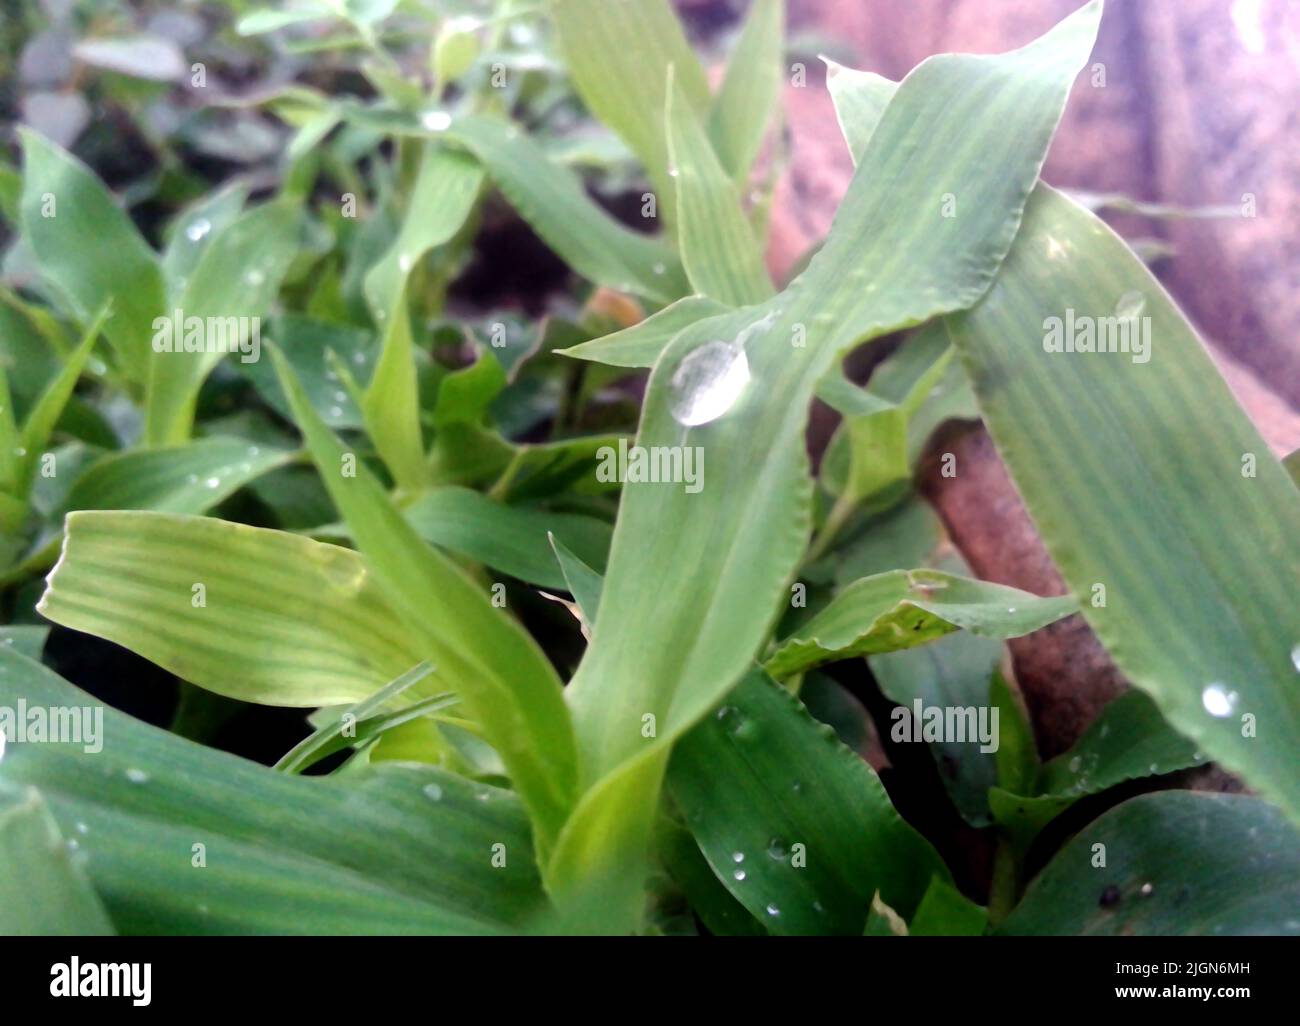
[{"x": 417, "y": 479}]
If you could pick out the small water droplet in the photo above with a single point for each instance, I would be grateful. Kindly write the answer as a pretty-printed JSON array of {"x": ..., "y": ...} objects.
[
  {"x": 1295, "y": 657},
  {"x": 82, "y": 828},
  {"x": 254, "y": 277},
  {"x": 192, "y": 479},
  {"x": 405, "y": 262},
  {"x": 436, "y": 120},
  {"x": 433, "y": 791},
  {"x": 1076, "y": 764},
  {"x": 737, "y": 856},
  {"x": 197, "y": 229},
  {"x": 336, "y": 411},
  {"x": 1011, "y": 609},
  {"x": 1218, "y": 700},
  {"x": 358, "y": 358},
  {"x": 739, "y": 874},
  {"x": 254, "y": 451},
  {"x": 776, "y": 849},
  {"x": 483, "y": 795},
  {"x": 796, "y": 787},
  {"x": 773, "y": 910},
  {"x": 1146, "y": 890},
  {"x": 660, "y": 269},
  {"x": 213, "y": 482},
  {"x": 707, "y": 383},
  {"x": 340, "y": 397},
  {"x": 137, "y": 776}
]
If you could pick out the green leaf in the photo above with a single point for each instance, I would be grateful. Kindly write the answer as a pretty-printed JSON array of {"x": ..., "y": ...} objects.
[
  {"x": 1127, "y": 741},
  {"x": 744, "y": 106},
  {"x": 43, "y": 889},
  {"x": 306, "y": 343},
  {"x": 391, "y": 403},
  {"x": 191, "y": 478},
  {"x": 1197, "y": 561},
  {"x": 25, "y": 639},
  {"x": 582, "y": 582},
  {"x": 641, "y": 344},
  {"x": 89, "y": 251},
  {"x": 194, "y": 230},
  {"x": 618, "y": 56},
  {"x": 551, "y": 198},
  {"x": 891, "y": 261},
  {"x": 440, "y": 202},
  {"x": 860, "y": 99},
  {"x": 946, "y": 912},
  {"x": 903, "y": 608},
  {"x": 797, "y": 827},
  {"x": 511, "y": 539},
  {"x": 718, "y": 910},
  {"x": 1177, "y": 864},
  {"x": 284, "y": 621},
  {"x": 388, "y": 849},
  {"x": 235, "y": 281},
  {"x": 720, "y": 252},
  {"x": 481, "y": 653}
]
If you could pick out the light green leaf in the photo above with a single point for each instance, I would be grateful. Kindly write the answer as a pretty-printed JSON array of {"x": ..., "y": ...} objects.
[
  {"x": 43, "y": 889},
  {"x": 743, "y": 108},
  {"x": 481, "y": 653},
  {"x": 284, "y": 620},
  {"x": 618, "y": 56},
  {"x": 391, "y": 403},
  {"x": 1198, "y": 561},
  {"x": 860, "y": 99},
  {"x": 551, "y": 198},
  {"x": 582, "y": 582},
  {"x": 88, "y": 250},
  {"x": 511, "y": 539},
  {"x": 1177, "y": 864},
  {"x": 189, "y": 478},
  {"x": 903, "y": 608},
  {"x": 891, "y": 261},
  {"x": 388, "y": 849},
  {"x": 794, "y": 824},
  {"x": 946, "y": 912},
  {"x": 641, "y": 344},
  {"x": 235, "y": 281},
  {"x": 719, "y": 250},
  {"x": 194, "y": 230}
]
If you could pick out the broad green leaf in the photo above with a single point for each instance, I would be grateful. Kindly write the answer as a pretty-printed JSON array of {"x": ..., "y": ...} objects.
[
  {"x": 797, "y": 827},
  {"x": 25, "y": 639},
  {"x": 88, "y": 250},
  {"x": 43, "y": 889},
  {"x": 744, "y": 106},
  {"x": 946, "y": 912},
  {"x": 891, "y": 261},
  {"x": 1196, "y": 558},
  {"x": 719, "y": 250},
  {"x": 552, "y": 200},
  {"x": 481, "y": 653},
  {"x": 952, "y": 672},
  {"x": 441, "y": 199},
  {"x": 511, "y": 539},
  {"x": 904, "y": 608},
  {"x": 1128, "y": 740},
  {"x": 618, "y": 55},
  {"x": 388, "y": 849},
  {"x": 709, "y": 899},
  {"x": 194, "y": 230},
  {"x": 284, "y": 620},
  {"x": 1177, "y": 864},
  {"x": 191, "y": 478},
  {"x": 231, "y": 288},
  {"x": 641, "y": 344}
]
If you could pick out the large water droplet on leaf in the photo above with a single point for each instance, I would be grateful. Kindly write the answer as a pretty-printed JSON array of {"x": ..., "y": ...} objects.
[{"x": 708, "y": 382}]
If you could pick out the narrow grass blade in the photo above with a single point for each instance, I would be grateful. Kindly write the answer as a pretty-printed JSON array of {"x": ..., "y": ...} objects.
[{"x": 744, "y": 107}]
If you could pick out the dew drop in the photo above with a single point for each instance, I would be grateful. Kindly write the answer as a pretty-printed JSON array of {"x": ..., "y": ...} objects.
[
  {"x": 1130, "y": 305},
  {"x": 433, "y": 792},
  {"x": 137, "y": 776},
  {"x": 405, "y": 262},
  {"x": 1146, "y": 890},
  {"x": 436, "y": 120},
  {"x": 213, "y": 482},
  {"x": 708, "y": 382},
  {"x": 254, "y": 277},
  {"x": 773, "y": 910},
  {"x": 1218, "y": 700},
  {"x": 336, "y": 411},
  {"x": 739, "y": 874},
  {"x": 1295, "y": 656},
  {"x": 660, "y": 269},
  {"x": 737, "y": 856},
  {"x": 82, "y": 828},
  {"x": 1075, "y": 764},
  {"x": 776, "y": 849},
  {"x": 198, "y": 229}
]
